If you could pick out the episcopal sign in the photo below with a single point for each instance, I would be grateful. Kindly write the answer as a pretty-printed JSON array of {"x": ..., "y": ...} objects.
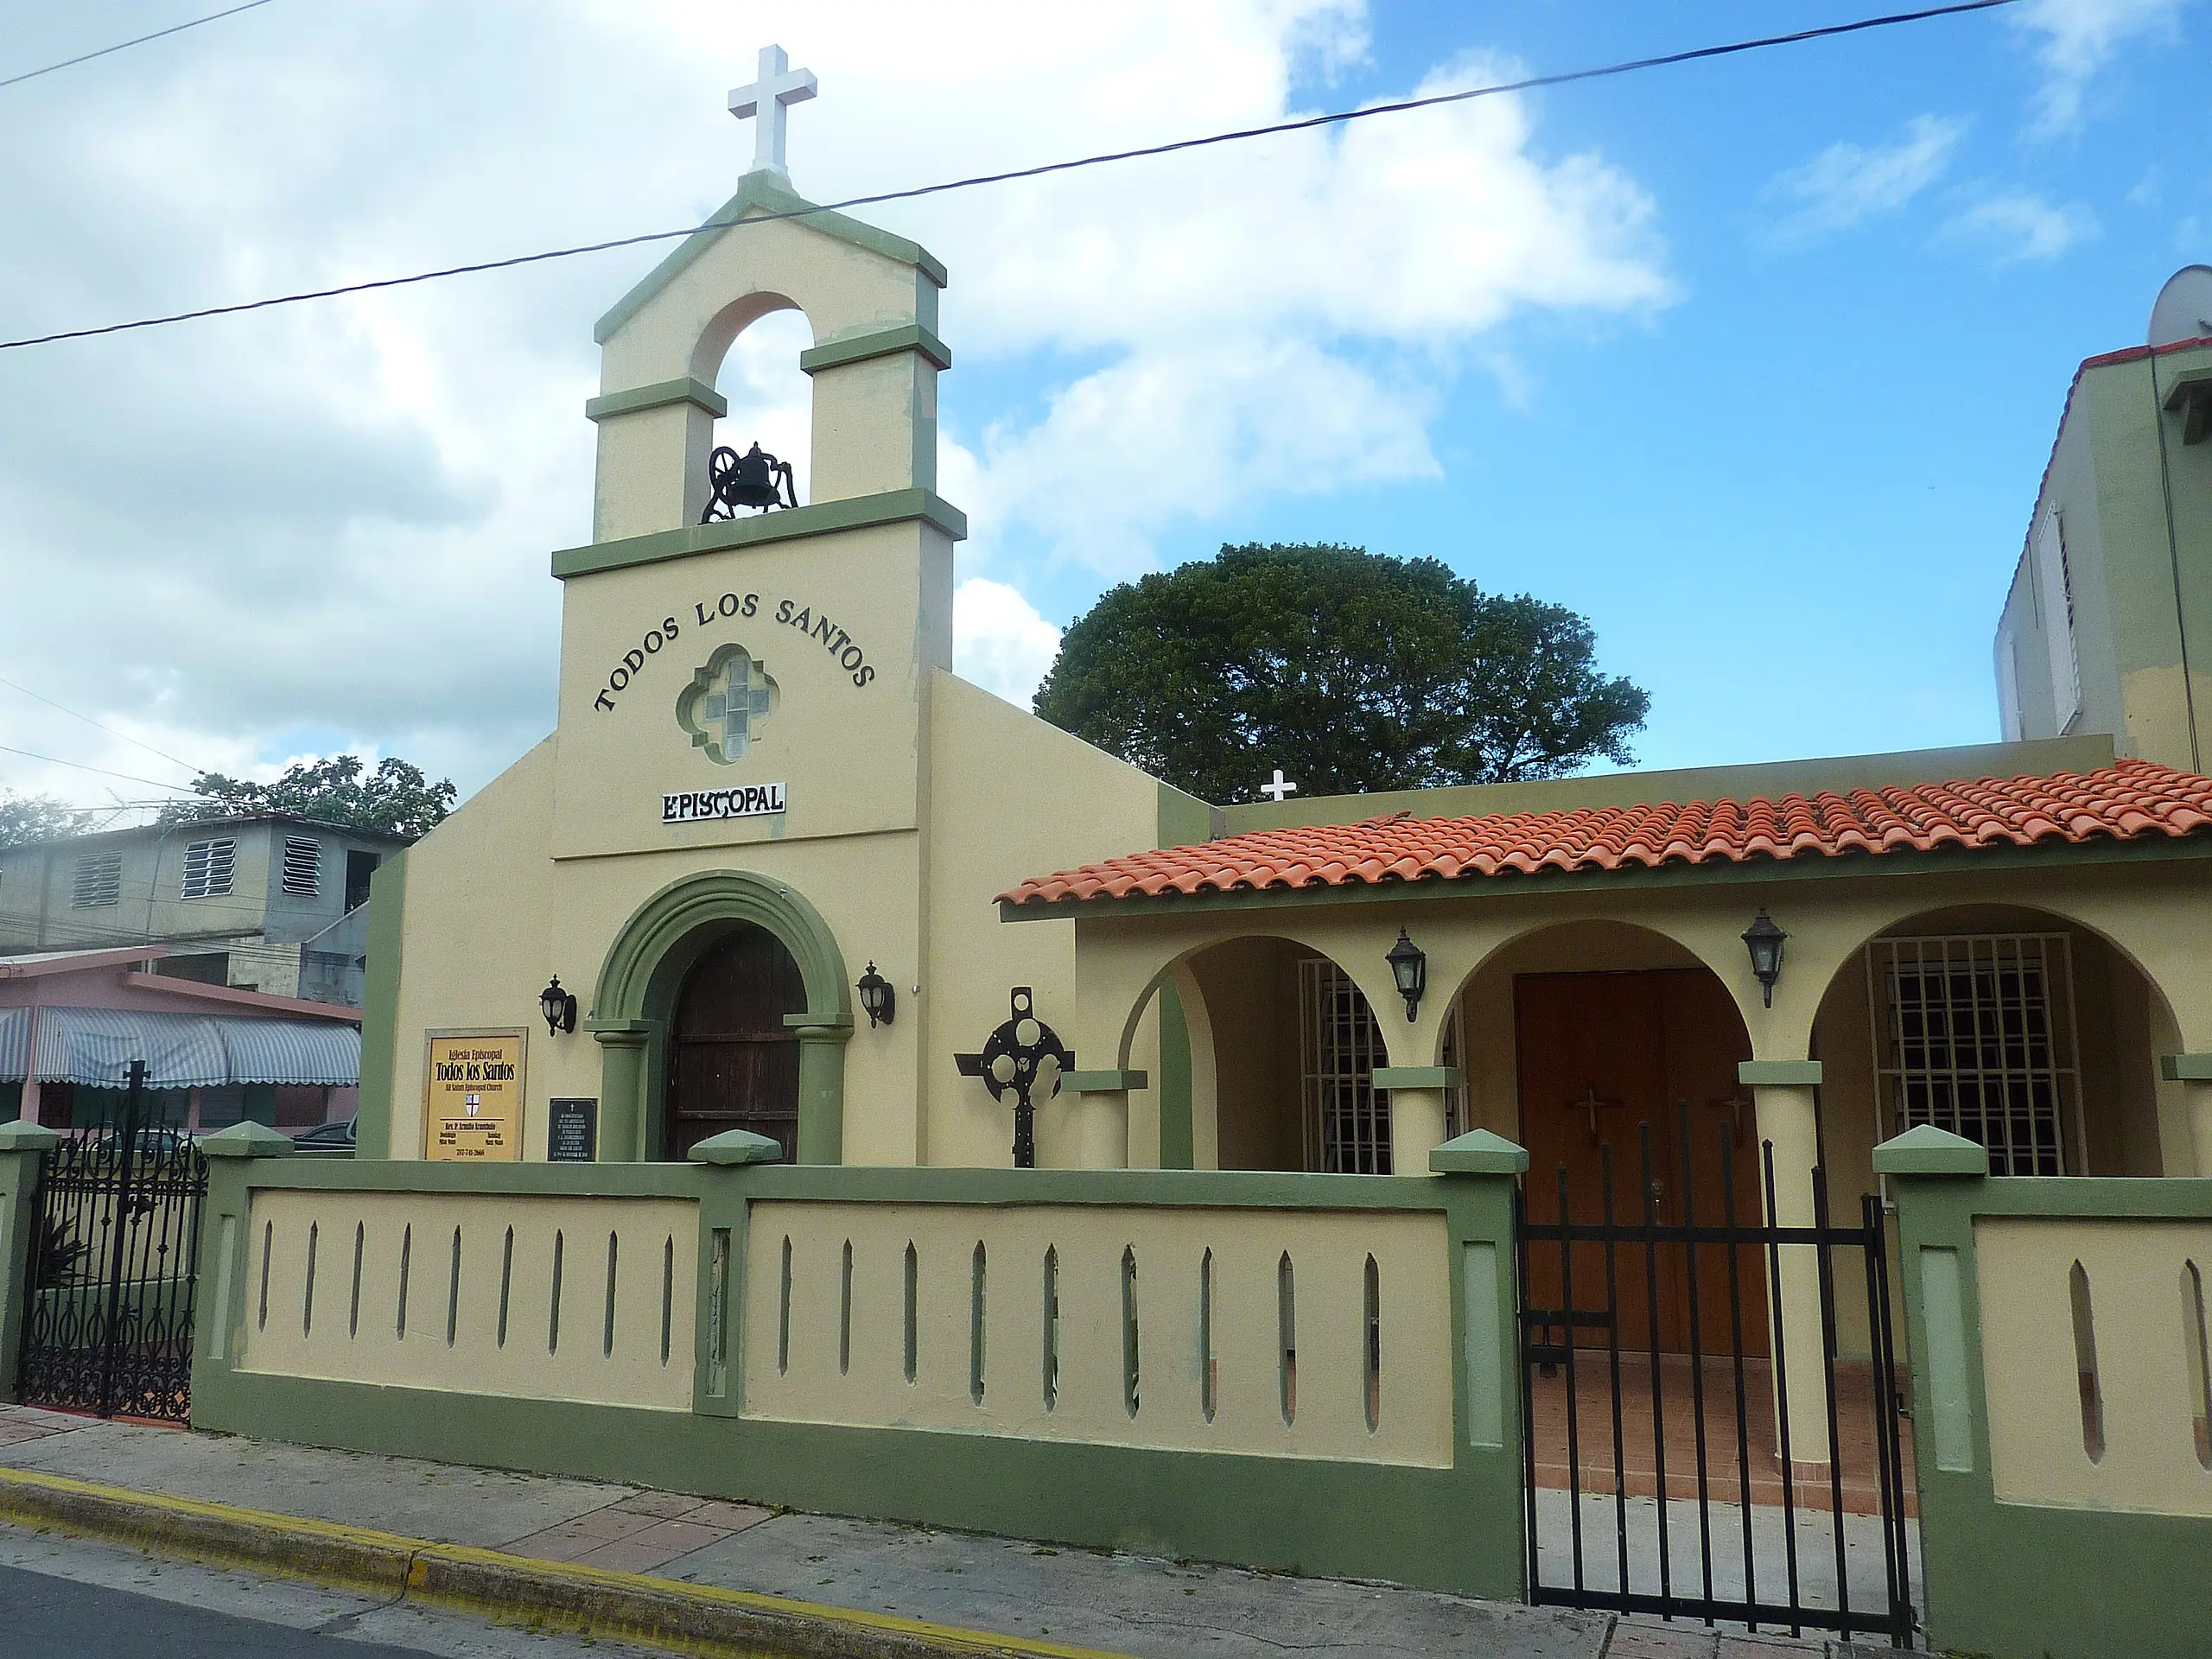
[
  {"x": 699, "y": 805},
  {"x": 472, "y": 1090}
]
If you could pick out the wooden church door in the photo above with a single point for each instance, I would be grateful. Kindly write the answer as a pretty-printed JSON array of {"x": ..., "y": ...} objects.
[
  {"x": 1604, "y": 1058},
  {"x": 733, "y": 1063}
]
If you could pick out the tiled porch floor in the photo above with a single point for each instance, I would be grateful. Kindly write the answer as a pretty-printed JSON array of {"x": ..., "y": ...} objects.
[{"x": 1640, "y": 1447}]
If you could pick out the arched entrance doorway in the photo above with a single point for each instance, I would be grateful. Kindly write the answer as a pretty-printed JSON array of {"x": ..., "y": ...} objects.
[
  {"x": 734, "y": 1064},
  {"x": 1628, "y": 1083}
]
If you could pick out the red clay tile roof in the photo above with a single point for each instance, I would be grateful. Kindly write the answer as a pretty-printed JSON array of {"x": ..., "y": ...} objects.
[{"x": 2127, "y": 800}]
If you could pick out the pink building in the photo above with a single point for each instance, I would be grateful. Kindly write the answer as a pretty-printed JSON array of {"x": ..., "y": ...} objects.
[{"x": 72, "y": 1023}]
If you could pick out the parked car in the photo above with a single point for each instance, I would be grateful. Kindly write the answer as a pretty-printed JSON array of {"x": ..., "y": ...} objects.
[{"x": 327, "y": 1140}]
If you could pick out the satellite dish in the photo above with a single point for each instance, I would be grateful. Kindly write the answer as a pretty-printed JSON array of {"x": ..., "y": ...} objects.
[{"x": 2183, "y": 310}]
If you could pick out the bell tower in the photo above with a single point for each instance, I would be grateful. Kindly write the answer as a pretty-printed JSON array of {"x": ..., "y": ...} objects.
[
  {"x": 842, "y": 604},
  {"x": 870, "y": 298}
]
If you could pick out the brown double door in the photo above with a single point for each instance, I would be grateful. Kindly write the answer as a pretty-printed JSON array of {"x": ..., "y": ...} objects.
[
  {"x": 733, "y": 1063},
  {"x": 1605, "y": 1059}
]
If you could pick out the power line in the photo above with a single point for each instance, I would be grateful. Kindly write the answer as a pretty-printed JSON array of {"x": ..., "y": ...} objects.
[
  {"x": 55, "y": 760},
  {"x": 1334, "y": 118},
  {"x": 124, "y": 46},
  {"x": 110, "y": 730}
]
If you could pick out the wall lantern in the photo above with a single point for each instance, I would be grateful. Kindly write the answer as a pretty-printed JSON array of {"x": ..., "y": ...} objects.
[
  {"x": 559, "y": 1008},
  {"x": 1409, "y": 967},
  {"x": 1763, "y": 940},
  {"x": 877, "y": 1000}
]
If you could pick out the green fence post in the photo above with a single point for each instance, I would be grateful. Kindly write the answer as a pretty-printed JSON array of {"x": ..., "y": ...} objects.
[
  {"x": 223, "y": 1256},
  {"x": 22, "y": 1147},
  {"x": 1482, "y": 1171},
  {"x": 725, "y": 1215},
  {"x": 1935, "y": 1178}
]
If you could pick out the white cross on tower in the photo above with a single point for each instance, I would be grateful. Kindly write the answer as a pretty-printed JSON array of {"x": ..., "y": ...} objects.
[
  {"x": 1278, "y": 788},
  {"x": 768, "y": 100}
]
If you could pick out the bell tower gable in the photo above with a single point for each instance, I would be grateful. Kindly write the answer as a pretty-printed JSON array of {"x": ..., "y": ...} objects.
[{"x": 870, "y": 300}]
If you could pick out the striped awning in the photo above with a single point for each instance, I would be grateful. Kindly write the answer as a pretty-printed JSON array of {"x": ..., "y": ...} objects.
[{"x": 96, "y": 1046}]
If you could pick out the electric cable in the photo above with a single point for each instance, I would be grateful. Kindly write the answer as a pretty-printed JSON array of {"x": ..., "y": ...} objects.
[
  {"x": 131, "y": 777},
  {"x": 1337, "y": 117},
  {"x": 41, "y": 698},
  {"x": 124, "y": 46}
]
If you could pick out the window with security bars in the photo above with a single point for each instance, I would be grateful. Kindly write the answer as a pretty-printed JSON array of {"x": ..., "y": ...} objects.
[
  {"x": 98, "y": 880},
  {"x": 1347, "y": 1123},
  {"x": 1976, "y": 1035},
  {"x": 208, "y": 869},
  {"x": 302, "y": 872}
]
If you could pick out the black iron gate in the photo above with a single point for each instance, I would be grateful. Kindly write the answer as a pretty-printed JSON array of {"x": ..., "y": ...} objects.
[
  {"x": 113, "y": 1269},
  {"x": 1744, "y": 1527}
]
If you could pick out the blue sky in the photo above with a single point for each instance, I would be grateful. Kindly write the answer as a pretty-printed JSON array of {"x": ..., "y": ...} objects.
[
  {"x": 1754, "y": 362},
  {"x": 1790, "y": 500}
]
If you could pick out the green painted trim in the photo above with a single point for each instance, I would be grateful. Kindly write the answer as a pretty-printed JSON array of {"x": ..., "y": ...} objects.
[
  {"x": 1177, "y": 1135},
  {"x": 15, "y": 1136},
  {"x": 1416, "y": 1077},
  {"x": 520, "y": 1180},
  {"x": 734, "y": 1149},
  {"x": 380, "y": 1007},
  {"x": 763, "y": 192},
  {"x": 659, "y": 395},
  {"x": 1478, "y": 1152},
  {"x": 1195, "y": 1189},
  {"x": 1927, "y": 1150},
  {"x": 1106, "y": 1083},
  {"x": 246, "y": 1140},
  {"x": 19, "y": 1171},
  {"x": 877, "y": 342},
  {"x": 1949, "y": 862},
  {"x": 2185, "y": 1068},
  {"x": 1986, "y": 1565},
  {"x": 758, "y": 529},
  {"x": 1424, "y": 1527},
  {"x": 1185, "y": 820},
  {"x": 1779, "y": 1073},
  {"x": 638, "y": 981},
  {"x": 2181, "y": 386}
]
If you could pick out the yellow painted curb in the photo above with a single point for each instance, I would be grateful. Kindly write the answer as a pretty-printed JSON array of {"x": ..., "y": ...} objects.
[{"x": 695, "y": 1619}]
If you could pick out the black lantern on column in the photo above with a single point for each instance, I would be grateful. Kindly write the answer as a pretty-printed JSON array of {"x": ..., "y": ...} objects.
[
  {"x": 877, "y": 1000},
  {"x": 1409, "y": 968},
  {"x": 559, "y": 1008},
  {"x": 1763, "y": 940}
]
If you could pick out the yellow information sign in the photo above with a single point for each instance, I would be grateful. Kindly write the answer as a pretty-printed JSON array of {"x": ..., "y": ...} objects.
[{"x": 473, "y": 1106}]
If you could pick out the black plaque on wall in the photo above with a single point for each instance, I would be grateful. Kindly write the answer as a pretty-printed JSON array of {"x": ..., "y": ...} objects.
[{"x": 572, "y": 1131}]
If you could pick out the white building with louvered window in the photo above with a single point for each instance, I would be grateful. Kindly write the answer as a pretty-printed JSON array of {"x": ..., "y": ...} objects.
[{"x": 271, "y": 904}]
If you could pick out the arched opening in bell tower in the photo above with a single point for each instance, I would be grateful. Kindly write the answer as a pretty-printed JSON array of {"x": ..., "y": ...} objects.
[{"x": 771, "y": 398}]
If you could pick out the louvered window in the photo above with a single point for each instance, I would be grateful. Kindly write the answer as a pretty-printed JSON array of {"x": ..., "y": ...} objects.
[
  {"x": 2055, "y": 592},
  {"x": 207, "y": 868},
  {"x": 98, "y": 881},
  {"x": 302, "y": 865}
]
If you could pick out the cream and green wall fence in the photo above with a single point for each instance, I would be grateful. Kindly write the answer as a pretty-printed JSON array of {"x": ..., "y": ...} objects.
[
  {"x": 1308, "y": 1373},
  {"x": 2060, "y": 1410}
]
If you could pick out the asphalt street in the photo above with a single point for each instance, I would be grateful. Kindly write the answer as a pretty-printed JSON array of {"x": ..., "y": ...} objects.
[{"x": 71, "y": 1599}]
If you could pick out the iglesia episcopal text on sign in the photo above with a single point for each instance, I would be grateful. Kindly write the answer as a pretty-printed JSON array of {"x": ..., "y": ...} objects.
[{"x": 699, "y": 805}]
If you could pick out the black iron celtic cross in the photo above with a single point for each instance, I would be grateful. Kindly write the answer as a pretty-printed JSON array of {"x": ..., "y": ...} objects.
[{"x": 1013, "y": 1061}]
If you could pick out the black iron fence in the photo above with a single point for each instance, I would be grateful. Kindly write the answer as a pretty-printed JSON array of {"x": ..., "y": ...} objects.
[
  {"x": 113, "y": 1269},
  {"x": 1666, "y": 1472}
]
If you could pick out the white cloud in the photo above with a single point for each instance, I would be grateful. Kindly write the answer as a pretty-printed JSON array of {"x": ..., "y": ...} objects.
[
  {"x": 999, "y": 641},
  {"x": 328, "y": 528},
  {"x": 1847, "y": 183},
  {"x": 2078, "y": 38},
  {"x": 2017, "y": 226}
]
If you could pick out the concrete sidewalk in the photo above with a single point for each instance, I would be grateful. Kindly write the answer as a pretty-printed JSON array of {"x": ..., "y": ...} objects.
[{"x": 1031, "y": 1595}]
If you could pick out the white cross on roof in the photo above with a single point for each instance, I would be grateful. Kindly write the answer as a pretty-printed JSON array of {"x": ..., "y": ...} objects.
[
  {"x": 1278, "y": 788},
  {"x": 768, "y": 100}
]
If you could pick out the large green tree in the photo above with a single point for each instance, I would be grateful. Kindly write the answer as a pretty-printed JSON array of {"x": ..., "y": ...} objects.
[
  {"x": 396, "y": 797},
  {"x": 1352, "y": 670},
  {"x": 38, "y": 817}
]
